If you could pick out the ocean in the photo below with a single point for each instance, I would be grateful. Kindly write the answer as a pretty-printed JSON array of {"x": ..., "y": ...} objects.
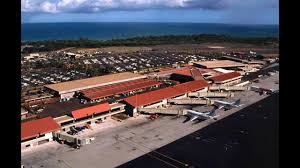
[{"x": 108, "y": 31}]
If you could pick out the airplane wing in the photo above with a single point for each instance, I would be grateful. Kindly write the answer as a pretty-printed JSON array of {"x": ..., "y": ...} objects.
[
  {"x": 194, "y": 118},
  {"x": 220, "y": 107},
  {"x": 241, "y": 105}
]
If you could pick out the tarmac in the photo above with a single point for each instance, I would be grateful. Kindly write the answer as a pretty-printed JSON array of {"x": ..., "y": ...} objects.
[
  {"x": 247, "y": 139},
  {"x": 116, "y": 143}
]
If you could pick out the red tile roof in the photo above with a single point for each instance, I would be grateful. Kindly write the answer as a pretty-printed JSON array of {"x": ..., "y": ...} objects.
[
  {"x": 225, "y": 76},
  {"x": 31, "y": 129},
  {"x": 196, "y": 74},
  {"x": 165, "y": 69},
  {"x": 113, "y": 86},
  {"x": 169, "y": 92},
  {"x": 88, "y": 111},
  {"x": 115, "y": 89},
  {"x": 185, "y": 72}
]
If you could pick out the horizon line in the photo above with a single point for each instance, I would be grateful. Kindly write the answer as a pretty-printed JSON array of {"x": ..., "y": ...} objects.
[{"x": 275, "y": 24}]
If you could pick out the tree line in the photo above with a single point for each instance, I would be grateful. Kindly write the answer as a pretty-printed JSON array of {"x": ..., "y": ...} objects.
[{"x": 51, "y": 45}]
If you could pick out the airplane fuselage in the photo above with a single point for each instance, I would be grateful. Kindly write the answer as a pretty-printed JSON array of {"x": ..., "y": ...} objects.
[
  {"x": 199, "y": 115},
  {"x": 225, "y": 105}
]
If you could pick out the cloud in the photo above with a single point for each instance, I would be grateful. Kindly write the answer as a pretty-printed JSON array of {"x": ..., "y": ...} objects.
[
  {"x": 210, "y": 4},
  {"x": 88, "y": 6},
  {"x": 48, "y": 7}
]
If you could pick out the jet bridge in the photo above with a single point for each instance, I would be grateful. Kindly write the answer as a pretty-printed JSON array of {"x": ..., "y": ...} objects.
[
  {"x": 162, "y": 111},
  {"x": 228, "y": 88},
  {"x": 191, "y": 101},
  {"x": 63, "y": 136},
  {"x": 211, "y": 94}
]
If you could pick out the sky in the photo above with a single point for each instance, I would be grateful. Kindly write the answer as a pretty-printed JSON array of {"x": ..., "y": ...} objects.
[{"x": 195, "y": 11}]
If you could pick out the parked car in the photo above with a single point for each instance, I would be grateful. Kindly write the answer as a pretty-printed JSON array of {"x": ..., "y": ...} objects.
[
  {"x": 80, "y": 128},
  {"x": 74, "y": 131},
  {"x": 70, "y": 132}
]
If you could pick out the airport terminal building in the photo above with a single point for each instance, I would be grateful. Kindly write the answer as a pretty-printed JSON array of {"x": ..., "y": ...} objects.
[
  {"x": 226, "y": 64},
  {"x": 67, "y": 90},
  {"x": 128, "y": 93},
  {"x": 159, "y": 97}
]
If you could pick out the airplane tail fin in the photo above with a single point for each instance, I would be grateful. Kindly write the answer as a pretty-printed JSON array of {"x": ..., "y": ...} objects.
[
  {"x": 238, "y": 102},
  {"x": 186, "y": 120},
  {"x": 212, "y": 112}
]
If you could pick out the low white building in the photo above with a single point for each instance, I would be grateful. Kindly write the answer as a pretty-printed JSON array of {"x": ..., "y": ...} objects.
[{"x": 37, "y": 132}]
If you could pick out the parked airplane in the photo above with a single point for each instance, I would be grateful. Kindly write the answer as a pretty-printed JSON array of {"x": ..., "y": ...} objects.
[
  {"x": 261, "y": 90},
  {"x": 226, "y": 105},
  {"x": 193, "y": 115}
]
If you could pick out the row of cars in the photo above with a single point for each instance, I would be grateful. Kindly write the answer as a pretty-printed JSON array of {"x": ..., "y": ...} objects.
[
  {"x": 50, "y": 76},
  {"x": 142, "y": 60}
]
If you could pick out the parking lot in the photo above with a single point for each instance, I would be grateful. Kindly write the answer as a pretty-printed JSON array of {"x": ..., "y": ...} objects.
[
  {"x": 137, "y": 61},
  {"x": 61, "y": 68},
  {"x": 50, "y": 76}
]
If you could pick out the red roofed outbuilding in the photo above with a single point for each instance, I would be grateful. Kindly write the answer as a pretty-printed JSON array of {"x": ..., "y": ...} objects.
[
  {"x": 89, "y": 111},
  {"x": 35, "y": 128},
  {"x": 185, "y": 75},
  {"x": 33, "y": 132},
  {"x": 227, "y": 78}
]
